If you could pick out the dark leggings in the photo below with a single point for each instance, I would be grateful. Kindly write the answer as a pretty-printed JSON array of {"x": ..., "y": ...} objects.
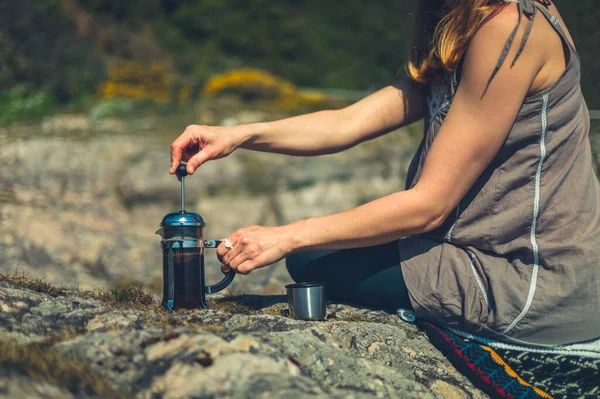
[{"x": 368, "y": 276}]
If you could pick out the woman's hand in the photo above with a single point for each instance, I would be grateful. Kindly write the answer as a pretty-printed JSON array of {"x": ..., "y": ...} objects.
[
  {"x": 255, "y": 247},
  {"x": 199, "y": 144}
]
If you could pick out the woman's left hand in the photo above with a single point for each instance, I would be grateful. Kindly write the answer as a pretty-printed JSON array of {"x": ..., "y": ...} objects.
[{"x": 254, "y": 247}]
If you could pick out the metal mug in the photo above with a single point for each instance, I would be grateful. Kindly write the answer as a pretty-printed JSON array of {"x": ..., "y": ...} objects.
[{"x": 307, "y": 301}]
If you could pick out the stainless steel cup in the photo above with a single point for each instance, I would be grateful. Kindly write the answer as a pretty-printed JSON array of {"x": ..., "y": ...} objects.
[{"x": 307, "y": 301}]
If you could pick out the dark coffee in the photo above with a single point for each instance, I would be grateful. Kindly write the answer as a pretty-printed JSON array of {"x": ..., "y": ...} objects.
[{"x": 183, "y": 278}]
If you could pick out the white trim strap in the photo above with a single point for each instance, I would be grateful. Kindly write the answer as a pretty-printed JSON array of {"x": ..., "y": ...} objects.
[
  {"x": 536, "y": 211},
  {"x": 470, "y": 256}
]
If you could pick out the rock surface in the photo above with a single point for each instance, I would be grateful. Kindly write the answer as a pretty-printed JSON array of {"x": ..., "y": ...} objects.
[{"x": 71, "y": 344}]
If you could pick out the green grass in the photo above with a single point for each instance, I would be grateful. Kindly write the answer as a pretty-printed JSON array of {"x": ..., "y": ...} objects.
[
  {"x": 131, "y": 297},
  {"x": 21, "y": 104},
  {"x": 32, "y": 283}
]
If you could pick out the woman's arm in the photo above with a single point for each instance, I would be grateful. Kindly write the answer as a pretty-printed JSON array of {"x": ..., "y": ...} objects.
[
  {"x": 317, "y": 133},
  {"x": 471, "y": 135},
  {"x": 328, "y": 132}
]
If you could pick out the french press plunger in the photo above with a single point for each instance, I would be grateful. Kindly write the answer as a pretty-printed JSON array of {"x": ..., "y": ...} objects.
[{"x": 183, "y": 257}]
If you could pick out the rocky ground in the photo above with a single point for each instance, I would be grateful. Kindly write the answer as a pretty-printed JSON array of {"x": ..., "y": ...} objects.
[{"x": 60, "y": 343}]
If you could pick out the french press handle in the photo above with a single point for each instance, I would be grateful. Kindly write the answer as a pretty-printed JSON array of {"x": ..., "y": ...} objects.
[{"x": 221, "y": 285}]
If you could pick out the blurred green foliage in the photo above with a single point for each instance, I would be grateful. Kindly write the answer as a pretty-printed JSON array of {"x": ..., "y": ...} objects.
[
  {"x": 122, "y": 10},
  {"x": 315, "y": 43},
  {"x": 19, "y": 103},
  {"x": 340, "y": 45},
  {"x": 109, "y": 108},
  {"x": 347, "y": 45},
  {"x": 39, "y": 47}
]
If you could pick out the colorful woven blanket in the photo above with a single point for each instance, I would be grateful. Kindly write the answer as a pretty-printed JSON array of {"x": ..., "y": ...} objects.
[{"x": 510, "y": 371}]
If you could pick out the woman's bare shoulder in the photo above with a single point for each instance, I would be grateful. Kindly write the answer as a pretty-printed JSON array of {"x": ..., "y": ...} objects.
[
  {"x": 500, "y": 24},
  {"x": 540, "y": 52},
  {"x": 526, "y": 53}
]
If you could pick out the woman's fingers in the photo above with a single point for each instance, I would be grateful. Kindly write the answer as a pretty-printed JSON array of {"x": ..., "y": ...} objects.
[
  {"x": 227, "y": 254},
  {"x": 222, "y": 250},
  {"x": 252, "y": 247},
  {"x": 233, "y": 239},
  {"x": 199, "y": 144},
  {"x": 246, "y": 267},
  {"x": 179, "y": 146},
  {"x": 197, "y": 160},
  {"x": 241, "y": 252},
  {"x": 238, "y": 260}
]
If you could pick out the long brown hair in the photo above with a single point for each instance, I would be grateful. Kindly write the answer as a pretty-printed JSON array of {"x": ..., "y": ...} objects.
[{"x": 442, "y": 32}]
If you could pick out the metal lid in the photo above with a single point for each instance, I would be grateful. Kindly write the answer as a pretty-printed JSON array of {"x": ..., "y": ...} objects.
[{"x": 182, "y": 219}]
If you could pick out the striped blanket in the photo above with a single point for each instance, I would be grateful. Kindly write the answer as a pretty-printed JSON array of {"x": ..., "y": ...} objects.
[{"x": 505, "y": 370}]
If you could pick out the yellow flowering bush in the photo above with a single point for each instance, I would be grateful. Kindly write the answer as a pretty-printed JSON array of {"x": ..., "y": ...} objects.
[
  {"x": 304, "y": 99},
  {"x": 259, "y": 84},
  {"x": 252, "y": 83},
  {"x": 137, "y": 81}
]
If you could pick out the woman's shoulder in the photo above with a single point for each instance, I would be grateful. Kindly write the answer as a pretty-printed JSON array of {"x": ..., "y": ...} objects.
[
  {"x": 511, "y": 44},
  {"x": 500, "y": 25},
  {"x": 530, "y": 43}
]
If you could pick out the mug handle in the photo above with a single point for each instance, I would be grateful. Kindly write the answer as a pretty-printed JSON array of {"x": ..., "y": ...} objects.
[{"x": 221, "y": 285}]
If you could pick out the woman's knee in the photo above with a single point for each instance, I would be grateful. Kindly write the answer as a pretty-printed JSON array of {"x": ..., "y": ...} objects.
[
  {"x": 294, "y": 265},
  {"x": 297, "y": 263}
]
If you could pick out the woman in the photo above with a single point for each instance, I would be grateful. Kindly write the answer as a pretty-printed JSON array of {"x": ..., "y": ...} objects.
[{"x": 497, "y": 232}]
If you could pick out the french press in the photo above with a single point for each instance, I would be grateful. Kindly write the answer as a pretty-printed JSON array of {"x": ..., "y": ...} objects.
[{"x": 183, "y": 257}]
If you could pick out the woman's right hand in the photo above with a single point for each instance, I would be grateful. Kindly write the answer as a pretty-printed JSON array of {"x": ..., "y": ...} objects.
[{"x": 199, "y": 144}]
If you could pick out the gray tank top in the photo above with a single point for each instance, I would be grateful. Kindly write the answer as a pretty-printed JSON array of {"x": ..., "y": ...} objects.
[{"x": 527, "y": 234}]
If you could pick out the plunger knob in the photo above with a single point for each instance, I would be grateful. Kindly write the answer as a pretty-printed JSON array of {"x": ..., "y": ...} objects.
[{"x": 182, "y": 170}]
